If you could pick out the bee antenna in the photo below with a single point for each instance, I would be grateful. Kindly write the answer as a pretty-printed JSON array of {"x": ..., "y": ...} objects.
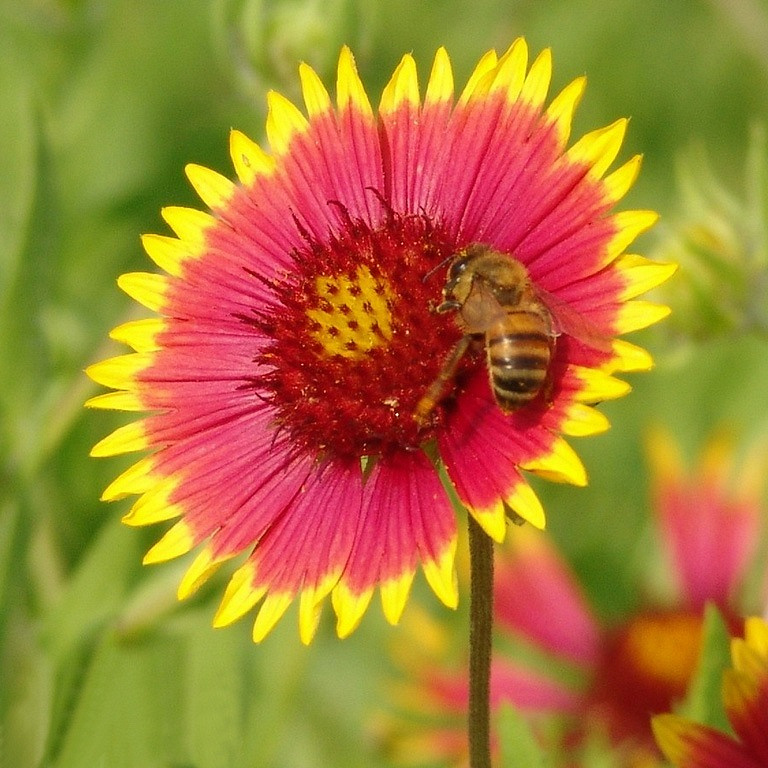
[{"x": 437, "y": 266}]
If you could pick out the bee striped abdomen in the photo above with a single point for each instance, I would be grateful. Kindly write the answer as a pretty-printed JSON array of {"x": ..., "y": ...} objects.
[
  {"x": 519, "y": 352},
  {"x": 495, "y": 300}
]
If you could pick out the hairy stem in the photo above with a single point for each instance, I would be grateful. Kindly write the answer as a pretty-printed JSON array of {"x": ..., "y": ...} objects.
[{"x": 480, "y": 626}]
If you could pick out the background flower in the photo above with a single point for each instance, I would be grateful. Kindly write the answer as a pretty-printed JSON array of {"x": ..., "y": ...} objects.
[
  {"x": 745, "y": 695},
  {"x": 605, "y": 678}
]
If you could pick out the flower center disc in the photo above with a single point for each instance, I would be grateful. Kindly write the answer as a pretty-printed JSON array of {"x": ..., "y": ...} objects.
[
  {"x": 354, "y": 339},
  {"x": 647, "y": 666}
]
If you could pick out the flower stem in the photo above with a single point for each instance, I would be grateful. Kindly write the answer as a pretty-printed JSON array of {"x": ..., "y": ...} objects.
[{"x": 480, "y": 626}]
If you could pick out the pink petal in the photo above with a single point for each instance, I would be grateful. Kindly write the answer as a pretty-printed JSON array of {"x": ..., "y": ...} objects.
[
  {"x": 482, "y": 446},
  {"x": 406, "y": 518},
  {"x": 539, "y": 598},
  {"x": 709, "y": 538},
  {"x": 315, "y": 533},
  {"x": 531, "y": 691}
]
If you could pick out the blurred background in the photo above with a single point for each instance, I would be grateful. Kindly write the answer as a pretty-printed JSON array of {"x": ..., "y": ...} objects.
[{"x": 102, "y": 102}]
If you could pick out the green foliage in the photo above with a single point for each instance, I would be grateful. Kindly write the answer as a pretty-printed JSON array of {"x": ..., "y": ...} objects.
[
  {"x": 102, "y": 102},
  {"x": 705, "y": 701},
  {"x": 519, "y": 748}
]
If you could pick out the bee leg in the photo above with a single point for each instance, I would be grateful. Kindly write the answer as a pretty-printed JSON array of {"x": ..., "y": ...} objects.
[{"x": 437, "y": 388}]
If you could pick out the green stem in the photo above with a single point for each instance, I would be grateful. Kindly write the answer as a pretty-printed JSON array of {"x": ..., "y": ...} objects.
[{"x": 480, "y": 628}]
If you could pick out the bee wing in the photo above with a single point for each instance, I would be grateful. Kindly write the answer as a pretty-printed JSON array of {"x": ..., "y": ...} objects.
[
  {"x": 566, "y": 320},
  {"x": 481, "y": 310}
]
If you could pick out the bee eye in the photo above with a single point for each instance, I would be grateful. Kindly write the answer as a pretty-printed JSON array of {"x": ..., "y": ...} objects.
[{"x": 457, "y": 268}]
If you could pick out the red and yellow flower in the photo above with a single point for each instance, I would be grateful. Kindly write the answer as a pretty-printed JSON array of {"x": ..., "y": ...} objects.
[
  {"x": 745, "y": 696},
  {"x": 587, "y": 681},
  {"x": 295, "y": 334}
]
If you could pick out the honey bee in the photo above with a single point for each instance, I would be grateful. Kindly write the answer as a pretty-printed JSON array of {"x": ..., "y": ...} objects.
[{"x": 496, "y": 302}]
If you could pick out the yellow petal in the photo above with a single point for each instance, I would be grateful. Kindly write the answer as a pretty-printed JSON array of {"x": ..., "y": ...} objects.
[
  {"x": 189, "y": 224},
  {"x": 634, "y": 315},
  {"x": 536, "y": 85},
  {"x": 394, "y": 596},
  {"x": 403, "y": 86},
  {"x": 510, "y": 72},
  {"x": 316, "y": 98},
  {"x": 582, "y": 420},
  {"x": 146, "y": 288},
  {"x": 629, "y": 357},
  {"x": 214, "y": 189},
  {"x": 350, "y": 91},
  {"x": 563, "y": 106},
  {"x": 176, "y": 542},
  {"x": 169, "y": 253},
  {"x": 120, "y": 372},
  {"x": 441, "y": 575},
  {"x": 124, "y": 439},
  {"x": 202, "y": 568},
  {"x": 492, "y": 520},
  {"x": 618, "y": 183},
  {"x": 560, "y": 465},
  {"x": 311, "y": 604},
  {"x": 136, "y": 479},
  {"x": 310, "y": 611},
  {"x": 663, "y": 454},
  {"x": 629, "y": 224},
  {"x": 641, "y": 274},
  {"x": 440, "y": 86},
  {"x": 116, "y": 401},
  {"x": 599, "y": 386},
  {"x": 239, "y": 596},
  {"x": 349, "y": 607},
  {"x": 485, "y": 66},
  {"x": 756, "y": 635},
  {"x": 272, "y": 609},
  {"x": 284, "y": 122},
  {"x": 248, "y": 158},
  {"x": 155, "y": 504},
  {"x": 526, "y": 504},
  {"x": 598, "y": 149},
  {"x": 140, "y": 334}
]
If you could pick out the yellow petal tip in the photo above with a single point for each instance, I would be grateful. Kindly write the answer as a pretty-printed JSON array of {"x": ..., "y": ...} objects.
[{"x": 176, "y": 542}]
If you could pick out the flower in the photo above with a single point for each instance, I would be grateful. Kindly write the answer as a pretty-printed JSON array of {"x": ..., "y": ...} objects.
[
  {"x": 745, "y": 696},
  {"x": 603, "y": 680},
  {"x": 296, "y": 336}
]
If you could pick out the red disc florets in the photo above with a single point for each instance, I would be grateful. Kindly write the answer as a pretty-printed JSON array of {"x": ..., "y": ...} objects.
[{"x": 354, "y": 340}]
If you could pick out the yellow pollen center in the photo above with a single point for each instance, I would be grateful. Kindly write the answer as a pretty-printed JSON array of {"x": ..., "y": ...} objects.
[
  {"x": 666, "y": 647},
  {"x": 353, "y": 316}
]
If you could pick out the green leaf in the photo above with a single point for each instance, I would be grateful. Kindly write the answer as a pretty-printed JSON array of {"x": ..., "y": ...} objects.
[
  {"x": 95, "y": 592},
  {"x": 704, "y": 702},
  {"x": 128, "y": 711},
  {"x": 17, "y": 167},
  {"x": 519, "y": 748},
  {"x": 214, "y": 697}
]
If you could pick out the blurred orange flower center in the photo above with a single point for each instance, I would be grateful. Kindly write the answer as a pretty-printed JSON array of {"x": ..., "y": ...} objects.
[
  {"x": 665, "y": 647},
  {"x": 646, "y": 667}
]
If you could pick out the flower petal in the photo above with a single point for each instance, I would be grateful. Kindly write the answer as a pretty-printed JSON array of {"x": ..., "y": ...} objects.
[
  {"x": 689, "y": 745},
  {"x": 538, "y": 597},
  {"x": 406, "y": 518},
  {"x": 709, "y": 534}
]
